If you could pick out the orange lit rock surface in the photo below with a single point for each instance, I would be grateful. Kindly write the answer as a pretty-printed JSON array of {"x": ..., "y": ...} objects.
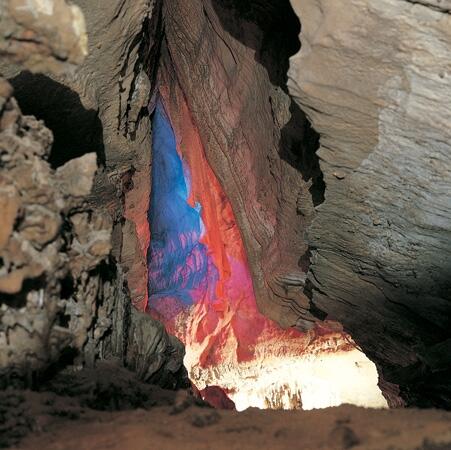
[{"x": 229, "y": 343}]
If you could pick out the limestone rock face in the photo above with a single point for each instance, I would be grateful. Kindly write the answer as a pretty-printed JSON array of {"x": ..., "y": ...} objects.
[
  {"x": 374, "y": 78},
  {"x": 49, "y": 247},
  {"x": 230, "y": 58},
  {"x": 64, "y": 191}
]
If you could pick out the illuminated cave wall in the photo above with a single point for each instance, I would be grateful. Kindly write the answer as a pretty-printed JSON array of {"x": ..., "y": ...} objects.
[{"x": 200, "y": 288}]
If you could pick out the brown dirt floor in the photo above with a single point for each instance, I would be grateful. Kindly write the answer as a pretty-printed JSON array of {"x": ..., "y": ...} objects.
[
  {"x": 197, "y": 428},
  {"x": 110, "y": 409}
]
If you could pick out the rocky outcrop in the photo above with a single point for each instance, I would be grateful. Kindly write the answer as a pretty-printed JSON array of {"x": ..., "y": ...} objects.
[
  {"x": 374, "y": 79},
  {"x": 64, "y": 193},
  {"x": 51, "y": 246},
  {"x": 42, "y": 35}
]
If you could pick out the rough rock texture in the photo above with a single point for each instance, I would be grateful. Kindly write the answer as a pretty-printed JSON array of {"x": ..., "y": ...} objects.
[
  {"x": 372, "y": 77},
  {"x": 42, "y": 34},
  {"x": 104, "y": 104},
  {"x": 115, "y": 81},
  {"x": 51, "y": 246},
  {"x": 230, "y": 58},
  {"x": 375, "y": 80},
  {"x": 64, "y": 193}
]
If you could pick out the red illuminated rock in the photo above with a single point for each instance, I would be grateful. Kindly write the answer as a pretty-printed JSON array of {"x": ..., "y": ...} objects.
[
  {"x": 229, "y": 343},
  {"x": 234, "y": 85},
  {"x": 216, "y": 397}
]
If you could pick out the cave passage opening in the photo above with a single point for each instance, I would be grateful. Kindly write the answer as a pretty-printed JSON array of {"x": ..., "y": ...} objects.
[
  {"x": 199, "y": 279},
  {"x": 200, "y": 287}
]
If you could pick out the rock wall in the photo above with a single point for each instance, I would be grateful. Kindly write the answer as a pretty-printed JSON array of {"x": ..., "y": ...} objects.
[
  {"x": 231, "y": 59},
  {"x": 356, "y": 232},
  {"x": 363, "y": 238},
  {"x": 375, "y": 80},
  {"x": 71, "y": 223},
  {"x": 51, "y": 245}
]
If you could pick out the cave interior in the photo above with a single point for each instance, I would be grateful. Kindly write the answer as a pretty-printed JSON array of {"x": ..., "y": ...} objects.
[{"x": 225, "y": 217}]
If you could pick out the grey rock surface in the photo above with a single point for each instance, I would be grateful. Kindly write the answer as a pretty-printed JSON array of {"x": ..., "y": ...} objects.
[{"x": 375, "y": 80}]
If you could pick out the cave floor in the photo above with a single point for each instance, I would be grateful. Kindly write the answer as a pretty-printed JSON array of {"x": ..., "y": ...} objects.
[{"x": 59, "y": 424}]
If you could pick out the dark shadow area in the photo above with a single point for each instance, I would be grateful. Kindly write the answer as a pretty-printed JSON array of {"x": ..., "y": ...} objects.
[
  {"x": 299, "y": 143},
  {"x": 66, "y": 359},
  {"x": 20, "y": 300},
  {"x": 76, "y": 130},
  {"x": 67, "y": 287},
  {"x": 148, "y": 44},
  {"x": 304, "y": 261},
  {"x": 274, "y": 36},
  {"x": 422, "y": 386},
  {"x": 272, "y": 29}
]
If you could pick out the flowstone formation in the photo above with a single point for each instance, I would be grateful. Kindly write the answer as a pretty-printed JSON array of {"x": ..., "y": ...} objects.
[{"x": 200, "y": 288}]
